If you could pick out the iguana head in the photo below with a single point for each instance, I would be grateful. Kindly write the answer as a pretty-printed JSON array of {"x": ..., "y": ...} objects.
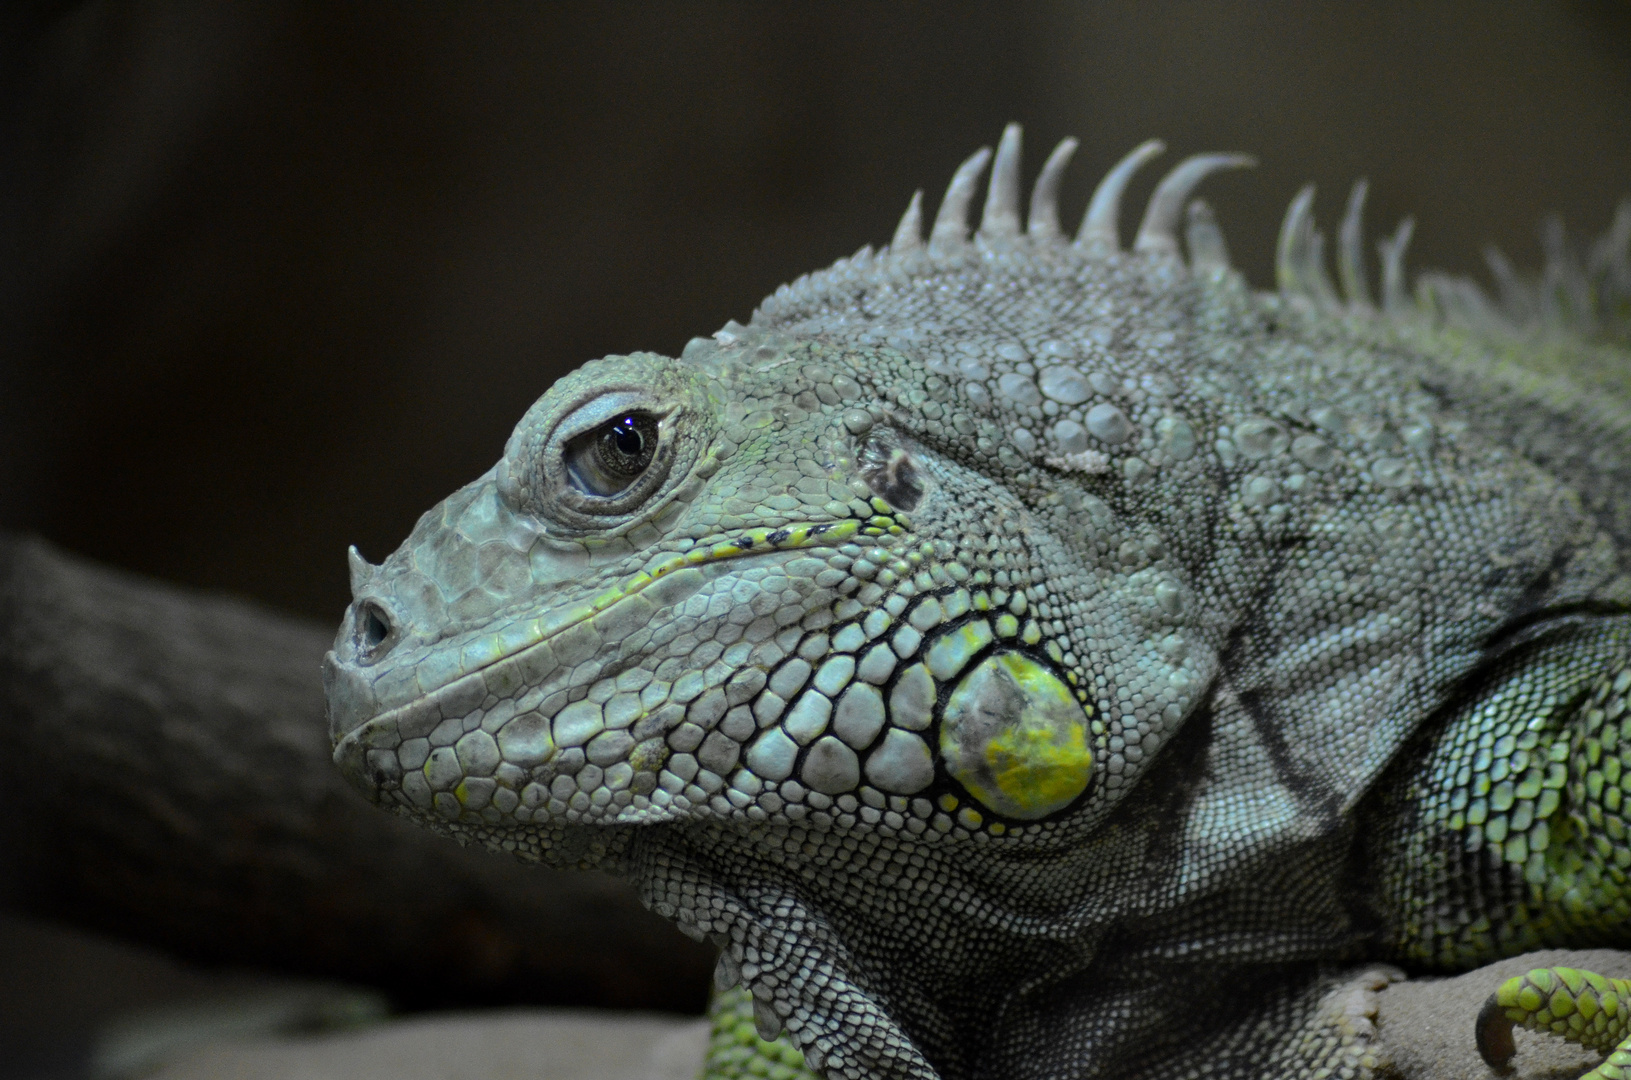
[
  {"x": 741, "y": 585},
  {"x": 847, "y": 564},
  {"x": 600, "y": 629}
]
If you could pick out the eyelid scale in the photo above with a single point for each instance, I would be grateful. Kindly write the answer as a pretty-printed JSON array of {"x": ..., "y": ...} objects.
[{"x": 600, "y": 410}]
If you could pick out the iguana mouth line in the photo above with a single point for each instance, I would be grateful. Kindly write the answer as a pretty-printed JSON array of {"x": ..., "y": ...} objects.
[{"x": 547, "y": 629}]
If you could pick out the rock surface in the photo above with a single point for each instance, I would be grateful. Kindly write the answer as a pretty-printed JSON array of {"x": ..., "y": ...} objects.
[
  {"x": 540, "y": 1044},
  {"x": 1425, "y": 1026}
]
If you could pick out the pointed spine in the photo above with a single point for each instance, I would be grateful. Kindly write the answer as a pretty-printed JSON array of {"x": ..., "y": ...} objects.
[
  {"x": 1565, "y": 295},
  {"x": 1351, "y": 250},
  {"x": 1319, "y": 281},
  {"x": 1460, "y": 302},
  {"x": 1516, "y": 298},
  {"x": 1208, "y": 253},
  {"x": 1395, "y": 298},
  {"x": 1098, "y": 234},
  {"x": 1610, "y": 273},
  {"x": 1611, "y": 254},
  {"x": 909, "y": 233},
  {"x": 1001, "y": 216},
  {"x": 362, "y": 571},
  {"x": 1044, "y": 216},
  {"x": 950, "y": 231},
  {"x": 1296, "y": 236},
  {"x": 1159, "y": 231}
]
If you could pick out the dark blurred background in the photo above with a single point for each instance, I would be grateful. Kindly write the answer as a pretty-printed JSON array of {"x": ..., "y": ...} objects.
[{"x": 277, "y": 276}]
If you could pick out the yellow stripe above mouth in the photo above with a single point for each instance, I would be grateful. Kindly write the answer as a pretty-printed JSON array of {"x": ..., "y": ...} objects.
[
  {"x": 750, "y": 542},
  {"x": 517, "y": 637}
]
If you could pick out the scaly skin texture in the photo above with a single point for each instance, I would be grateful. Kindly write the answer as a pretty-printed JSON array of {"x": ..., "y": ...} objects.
[
  {"x": 1028, "y": 658},
  {"x": 1578, "y": 1005}
]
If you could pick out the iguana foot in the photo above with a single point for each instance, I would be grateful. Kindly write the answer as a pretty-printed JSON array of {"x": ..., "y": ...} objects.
[
  {"x": 737, "y": 1049},
  {"x": 1584, "y": 1008},
  {"x": 1347, "y": 1033}
]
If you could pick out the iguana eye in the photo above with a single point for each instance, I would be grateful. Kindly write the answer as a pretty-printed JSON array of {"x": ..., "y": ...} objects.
[
  {"x": 606, "y": 460},
  {"x": 593, "y": 459}
]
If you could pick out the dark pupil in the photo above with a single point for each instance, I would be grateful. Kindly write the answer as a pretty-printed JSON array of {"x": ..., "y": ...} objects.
[
  {"x": 628, "y": 438},
  {"x": 624, "y": 447}
]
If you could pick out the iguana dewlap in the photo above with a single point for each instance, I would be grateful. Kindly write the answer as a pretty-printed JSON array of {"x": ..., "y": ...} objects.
[{"x": 1027, "y": 657}]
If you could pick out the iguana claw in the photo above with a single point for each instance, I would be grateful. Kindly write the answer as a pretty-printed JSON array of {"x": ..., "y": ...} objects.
[{"x": 1494, "y": 1034}]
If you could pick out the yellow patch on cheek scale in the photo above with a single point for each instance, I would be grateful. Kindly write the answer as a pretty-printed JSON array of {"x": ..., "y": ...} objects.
[{"x": 1015, "y": 736}]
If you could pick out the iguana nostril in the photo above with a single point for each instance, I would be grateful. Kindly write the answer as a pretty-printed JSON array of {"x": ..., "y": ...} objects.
[{"x": 373, "y": 632}]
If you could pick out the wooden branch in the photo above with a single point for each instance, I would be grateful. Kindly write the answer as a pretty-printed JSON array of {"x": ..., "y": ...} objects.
[{"x": 166, "y": 777}]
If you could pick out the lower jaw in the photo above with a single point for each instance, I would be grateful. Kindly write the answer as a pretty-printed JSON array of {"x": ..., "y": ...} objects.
[{"x": 557, "y": 845}]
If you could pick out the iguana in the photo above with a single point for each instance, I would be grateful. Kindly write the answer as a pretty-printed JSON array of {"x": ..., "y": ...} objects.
[{"x": 1026, "y": 657}]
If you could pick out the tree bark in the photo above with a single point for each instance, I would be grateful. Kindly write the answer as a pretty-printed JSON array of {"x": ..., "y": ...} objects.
[{"x": 167, "y": 778}]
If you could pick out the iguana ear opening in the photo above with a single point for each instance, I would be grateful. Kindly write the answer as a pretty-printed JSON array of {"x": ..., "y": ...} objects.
[{"x": 890, "y": 471}]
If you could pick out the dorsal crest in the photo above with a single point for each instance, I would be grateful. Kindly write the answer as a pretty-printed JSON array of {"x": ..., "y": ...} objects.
[{"x": 1584, "y": 293}]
